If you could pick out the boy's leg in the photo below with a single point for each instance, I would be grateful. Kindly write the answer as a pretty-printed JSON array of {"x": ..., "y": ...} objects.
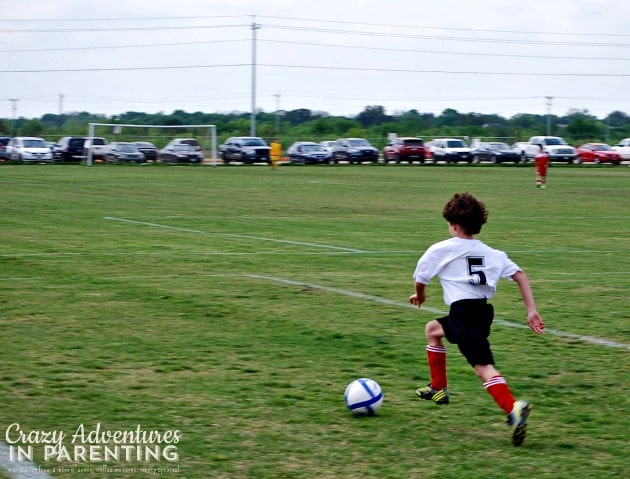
[
  {"x": 497, "y": 387},
  {"x": 436, "y": 356},
  {"x": 517, "y": 411}
]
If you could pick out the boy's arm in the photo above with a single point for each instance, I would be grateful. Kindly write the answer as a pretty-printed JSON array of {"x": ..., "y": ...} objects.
[
  {"x": 534, "y": 320},
  {"x": 418, "y": 297}
]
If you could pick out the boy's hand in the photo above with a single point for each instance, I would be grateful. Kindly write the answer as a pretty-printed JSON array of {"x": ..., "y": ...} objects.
[
  {"x": 417, "y": 299},
  {"x": 535, "y": 322}
]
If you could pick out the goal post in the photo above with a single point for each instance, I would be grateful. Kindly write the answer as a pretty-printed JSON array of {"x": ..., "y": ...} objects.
[{"x": 210, "y": 136}]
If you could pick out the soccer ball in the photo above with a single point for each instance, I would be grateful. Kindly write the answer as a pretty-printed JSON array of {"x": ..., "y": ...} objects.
[{"x": 363, "y": 396}]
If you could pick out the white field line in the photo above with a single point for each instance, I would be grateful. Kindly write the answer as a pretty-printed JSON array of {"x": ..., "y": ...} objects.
[
  {"x": 258, "y": 238},
  {"x": 510, "y": 324},
  {"x": 19, "y": 469}
]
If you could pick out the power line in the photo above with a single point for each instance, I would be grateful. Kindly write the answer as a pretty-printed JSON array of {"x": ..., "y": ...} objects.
[
  {"x": 108, "y": 47},
  {"x": 427, "y": 27},
  {"x": 315, "y": 67},
  {"x": 315, "y": 20},
  {"x": 441, "y": 52},
  {"x": 328, "y": 45},
  {"x": 443, "y": 38}
]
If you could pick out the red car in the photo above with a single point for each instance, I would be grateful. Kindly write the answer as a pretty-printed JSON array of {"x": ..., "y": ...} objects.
[
  {"x": 405, "y": 148},
  {"x": 598, "y": 153}
]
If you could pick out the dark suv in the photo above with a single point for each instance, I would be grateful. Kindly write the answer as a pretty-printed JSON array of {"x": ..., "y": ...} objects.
[
  {"x": 69, "y": 148},
  {"x": 246, "y": 149},
  {"x": 353, "y": 150}
]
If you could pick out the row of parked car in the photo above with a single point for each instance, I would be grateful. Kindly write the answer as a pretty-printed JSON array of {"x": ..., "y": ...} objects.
[
  {"x": 77, "y": 148},
  {"x": 249, "y": 149},
  {"x": 413, "y": 149}
]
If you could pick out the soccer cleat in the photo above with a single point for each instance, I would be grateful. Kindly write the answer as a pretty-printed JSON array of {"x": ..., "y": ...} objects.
[
  {"x": 430, "y": 394},
  {"x": 517, "y": 420}
]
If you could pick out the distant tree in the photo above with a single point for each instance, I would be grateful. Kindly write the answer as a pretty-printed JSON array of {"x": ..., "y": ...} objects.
[
  {"x": 31, "y": 128},
  {"x": 373, "y": 115},
  {"x": 617, "y": 119},
  {"x": 299, "y": 116},
  {"x": 5, "y": 127},
  {"x": 584, "y": 128}
]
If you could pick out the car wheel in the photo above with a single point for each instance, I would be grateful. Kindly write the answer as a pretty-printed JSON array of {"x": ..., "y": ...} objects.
[
  {"x": 476, "y": 159},
  {"x": 225, "y": 159},
  {"x": 578, "y": 160},
  {"x": 397, "y": 158}
]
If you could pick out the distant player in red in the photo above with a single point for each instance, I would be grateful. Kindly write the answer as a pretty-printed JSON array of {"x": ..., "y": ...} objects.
[
  {"x": 542, "y": 163},
  {"x": 469, "y": 271}
]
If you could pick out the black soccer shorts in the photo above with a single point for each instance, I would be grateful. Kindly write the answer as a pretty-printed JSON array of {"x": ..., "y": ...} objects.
[{"x": 468, "y": 325}]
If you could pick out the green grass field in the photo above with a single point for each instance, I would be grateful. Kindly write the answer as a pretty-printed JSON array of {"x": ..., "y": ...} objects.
[{"x": 234, "y": 304}]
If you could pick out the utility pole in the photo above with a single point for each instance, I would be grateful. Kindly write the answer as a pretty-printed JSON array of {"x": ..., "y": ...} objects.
[
  {"x": 14, "y": 113},
  {"x": 61, "y": 111},
  {"x": 549, "y": 99},
  {"x": 255, "y": 26},
  {"x": 277, "y": 128}
]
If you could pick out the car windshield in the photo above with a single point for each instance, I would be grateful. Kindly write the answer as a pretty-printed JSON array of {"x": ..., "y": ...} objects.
[
  {"x": 183, "y": 147},
  {"x": 34, "y": 144},
  {"x": 413, "y": 142},
  {"x": 359, "y": 142},
  {"x": 555, "y": 141},
  {"x": 254, "y": 142},
  {"x": 499, "y": 146},
  {"x": 455, "y": 144},
  {"x": 144, "y": 144},
  {"x": 602, "y": 147},
  {"x": 312, "y": 148},
  {"x": 127, "y": 148}
]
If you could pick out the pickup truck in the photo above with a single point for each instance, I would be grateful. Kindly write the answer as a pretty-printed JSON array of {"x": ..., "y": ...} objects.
[
  {"x": 623, "y": 148},
  {"x": 554, "y": 146}
]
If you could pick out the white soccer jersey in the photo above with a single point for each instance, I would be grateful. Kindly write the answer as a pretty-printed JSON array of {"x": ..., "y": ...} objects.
[{"x": 466, "y": 268}]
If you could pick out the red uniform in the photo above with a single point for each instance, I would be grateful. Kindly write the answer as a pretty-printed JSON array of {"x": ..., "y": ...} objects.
[{"x": 542, "y": 162}]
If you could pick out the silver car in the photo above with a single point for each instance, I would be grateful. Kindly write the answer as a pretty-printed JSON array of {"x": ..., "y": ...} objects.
[{"x": 29, "y": 149}]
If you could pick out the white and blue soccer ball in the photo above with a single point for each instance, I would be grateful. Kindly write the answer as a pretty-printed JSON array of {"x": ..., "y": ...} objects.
[{"x": 363, "y": 396}]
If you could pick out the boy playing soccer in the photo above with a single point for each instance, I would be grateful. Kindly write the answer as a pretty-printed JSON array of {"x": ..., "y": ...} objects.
[{"x": 469, "y": 271}]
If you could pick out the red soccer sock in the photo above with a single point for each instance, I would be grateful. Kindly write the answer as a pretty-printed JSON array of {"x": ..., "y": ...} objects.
[
  {"x": 437, "y": 366},
  {"x": 500, "y": 392}
]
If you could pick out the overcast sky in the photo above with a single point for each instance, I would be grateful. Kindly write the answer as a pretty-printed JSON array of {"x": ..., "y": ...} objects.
[{"x": 335, "y": 56}]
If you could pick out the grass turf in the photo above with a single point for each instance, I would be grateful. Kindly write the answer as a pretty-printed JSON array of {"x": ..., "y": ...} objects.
[{"x": 234, "y": 304}]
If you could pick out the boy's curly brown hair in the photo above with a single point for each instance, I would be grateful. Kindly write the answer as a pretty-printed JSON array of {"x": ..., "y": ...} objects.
[{"x": 465, "y": 210}]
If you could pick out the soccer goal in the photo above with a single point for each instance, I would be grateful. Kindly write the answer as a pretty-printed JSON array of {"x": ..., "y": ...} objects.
[{"x": 206, "y": 135}]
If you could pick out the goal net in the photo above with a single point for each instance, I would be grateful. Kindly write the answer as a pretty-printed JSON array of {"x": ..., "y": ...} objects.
[{"x": 159, "y": 135}]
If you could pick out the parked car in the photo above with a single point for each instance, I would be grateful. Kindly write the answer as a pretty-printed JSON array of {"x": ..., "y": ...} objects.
[
  {"x": 353, "y": 150},
  {"x": 246, "y": 149},
  {"x": 121, "y": 151},
  {"x": 598, "y": 153},
  {"x": 4, "y": 140},
  {"x": 307, "y": 152},
  {"x": 623, "y": 148},
  {"x": 328, "y": 145},
  {"x": 28, "y": 149},
  {"x": 521, "y": 148},
  {"x": 148, "y": 149},
  {"x": 450, "y": 150},
  {"x": 406, "y": 149},
  {"x": 184, "y": 141},
  {"x": 69, "y": 148},
  {"x": 97, "y": 145},
  {"x": 495, "y": 152},
  {"x": 180, "y": 153},
  {"x": 557, "y": 148}
]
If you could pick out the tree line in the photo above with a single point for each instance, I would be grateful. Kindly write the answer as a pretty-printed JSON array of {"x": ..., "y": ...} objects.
[{"x": 373, "y": 123}]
